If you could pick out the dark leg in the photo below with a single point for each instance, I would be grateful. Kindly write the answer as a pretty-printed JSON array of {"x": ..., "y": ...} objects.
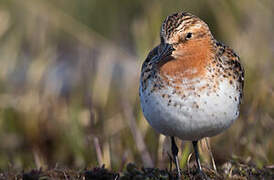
[
  {"x": 200, "y": 171},
  {"x": 175, "y": 150},
  {"x": 195, "y": 146},
  {"x": 170, "y": 161}
]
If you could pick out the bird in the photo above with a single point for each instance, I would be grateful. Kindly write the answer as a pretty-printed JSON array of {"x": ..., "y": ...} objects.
[{"x": 191, "y": 85}]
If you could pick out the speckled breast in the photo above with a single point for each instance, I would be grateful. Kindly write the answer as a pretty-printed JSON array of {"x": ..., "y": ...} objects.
[{"x": 194, "y": 108}]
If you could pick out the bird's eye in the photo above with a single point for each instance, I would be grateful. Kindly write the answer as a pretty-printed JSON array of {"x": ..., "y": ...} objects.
[{"x": 189, "y": 35}]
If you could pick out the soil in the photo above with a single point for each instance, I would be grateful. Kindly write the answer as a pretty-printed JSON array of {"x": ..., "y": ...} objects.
[{"x": 230, "y": 170}]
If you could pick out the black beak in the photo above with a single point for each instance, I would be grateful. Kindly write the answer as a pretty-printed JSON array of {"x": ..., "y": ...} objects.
[{"x": 166, "y": 51}]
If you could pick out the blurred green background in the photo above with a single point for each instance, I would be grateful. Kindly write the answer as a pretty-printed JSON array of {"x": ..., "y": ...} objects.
[{"x": 69, "y": 81}]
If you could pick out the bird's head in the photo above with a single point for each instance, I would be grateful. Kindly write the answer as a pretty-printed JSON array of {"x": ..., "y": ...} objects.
[{"x": 186, "y": 43}]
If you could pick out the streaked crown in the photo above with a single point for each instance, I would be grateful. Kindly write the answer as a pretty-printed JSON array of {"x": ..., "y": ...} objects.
[{"x": 180, "y": 26}]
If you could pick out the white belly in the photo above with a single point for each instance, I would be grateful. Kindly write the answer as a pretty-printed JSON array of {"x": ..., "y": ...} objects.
[{"x": 199, "y": 114}]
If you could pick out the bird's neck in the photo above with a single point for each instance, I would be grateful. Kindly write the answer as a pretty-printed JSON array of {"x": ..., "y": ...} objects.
[{"x": 189, "y": 59}]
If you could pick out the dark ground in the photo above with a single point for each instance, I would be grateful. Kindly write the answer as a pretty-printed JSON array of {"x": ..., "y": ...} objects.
[{"x": 230, "y": 170}]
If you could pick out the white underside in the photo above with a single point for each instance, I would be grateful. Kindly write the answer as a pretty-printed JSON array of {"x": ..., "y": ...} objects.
[{"x": 216, "y": 111}]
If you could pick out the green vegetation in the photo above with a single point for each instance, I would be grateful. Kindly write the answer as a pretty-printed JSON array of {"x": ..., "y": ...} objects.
[{"x": 69, "y": 81}]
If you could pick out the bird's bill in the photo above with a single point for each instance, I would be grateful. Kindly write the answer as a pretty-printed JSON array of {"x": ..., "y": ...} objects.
[{"x": 166, "y": 51}]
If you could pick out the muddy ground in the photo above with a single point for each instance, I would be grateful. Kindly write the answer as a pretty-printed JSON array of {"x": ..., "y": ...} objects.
[{"x": 230, "y": 170}]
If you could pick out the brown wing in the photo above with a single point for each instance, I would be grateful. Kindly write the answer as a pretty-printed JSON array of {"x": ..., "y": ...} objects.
[{"x": 232, "y": 64}]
